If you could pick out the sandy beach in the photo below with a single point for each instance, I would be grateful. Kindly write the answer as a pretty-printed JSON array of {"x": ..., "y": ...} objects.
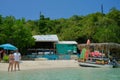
[{"x": 30, "y": 65}]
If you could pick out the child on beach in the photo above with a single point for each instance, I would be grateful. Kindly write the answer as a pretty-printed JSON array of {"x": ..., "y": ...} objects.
[{"x": 11, "y": 61}]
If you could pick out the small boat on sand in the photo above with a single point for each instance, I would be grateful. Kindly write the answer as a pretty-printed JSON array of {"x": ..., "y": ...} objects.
[
  {"x": 96, "y": 62},
  {"x": 94, "y": 59},
  {"x": 91, "y": 64},
  {"x": 97, "y": 56}
]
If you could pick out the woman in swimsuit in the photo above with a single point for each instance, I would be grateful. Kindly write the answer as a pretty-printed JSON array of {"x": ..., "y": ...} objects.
[{"x": 11, "y": 61}]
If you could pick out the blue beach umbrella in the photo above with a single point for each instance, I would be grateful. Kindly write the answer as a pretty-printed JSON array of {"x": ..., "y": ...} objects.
[{"x": 8, "y": 47}]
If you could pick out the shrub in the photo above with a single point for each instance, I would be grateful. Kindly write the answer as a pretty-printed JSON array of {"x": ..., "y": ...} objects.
[{"x": 6, "y": 58}]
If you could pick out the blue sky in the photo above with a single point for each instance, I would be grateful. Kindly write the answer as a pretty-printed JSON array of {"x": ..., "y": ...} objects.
[{"x": 54, "y": 9}]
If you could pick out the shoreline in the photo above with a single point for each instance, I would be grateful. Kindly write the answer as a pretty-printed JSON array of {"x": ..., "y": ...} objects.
[{"x": 46, "y": 64}]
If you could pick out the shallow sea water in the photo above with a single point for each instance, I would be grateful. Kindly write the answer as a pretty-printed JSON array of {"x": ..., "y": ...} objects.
[{"x": 63, "y": 74}]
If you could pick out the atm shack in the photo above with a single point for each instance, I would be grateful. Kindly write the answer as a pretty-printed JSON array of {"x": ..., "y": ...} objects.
[{"x": 66, "y": 49}]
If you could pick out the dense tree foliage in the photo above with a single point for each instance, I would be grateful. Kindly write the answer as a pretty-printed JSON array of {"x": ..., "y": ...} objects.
[
  {"x": 15, "y": 32},
  {"x": 97, "y": 27}
]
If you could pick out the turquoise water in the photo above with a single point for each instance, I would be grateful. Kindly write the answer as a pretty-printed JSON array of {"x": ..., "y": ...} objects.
[{"x": 64, "y": 74}]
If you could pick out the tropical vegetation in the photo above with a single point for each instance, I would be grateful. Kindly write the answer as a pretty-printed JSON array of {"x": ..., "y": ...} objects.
[{"x": 98, "y": 27}]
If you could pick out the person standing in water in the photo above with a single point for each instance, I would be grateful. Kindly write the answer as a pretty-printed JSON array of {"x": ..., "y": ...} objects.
[
  {"x": 11, "y": 61},
  {"x": 17, "y": 57}
]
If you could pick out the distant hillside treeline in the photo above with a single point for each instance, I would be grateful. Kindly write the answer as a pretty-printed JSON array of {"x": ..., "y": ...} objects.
[{"x": 97, "y": 27}]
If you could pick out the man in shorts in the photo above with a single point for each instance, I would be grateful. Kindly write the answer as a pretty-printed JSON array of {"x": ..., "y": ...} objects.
[{"x": 17, "y": 57}]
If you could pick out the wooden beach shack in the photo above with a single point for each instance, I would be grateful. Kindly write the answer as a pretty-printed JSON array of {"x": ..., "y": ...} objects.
[
  {"x": 45, "y": 41},
  {"x": 44, "y": 44}
]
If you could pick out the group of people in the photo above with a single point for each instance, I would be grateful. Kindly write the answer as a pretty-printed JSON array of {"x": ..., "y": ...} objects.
[{"x": 14, "y": 60}]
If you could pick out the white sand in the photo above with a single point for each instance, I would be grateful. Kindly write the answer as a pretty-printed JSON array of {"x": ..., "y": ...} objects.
[{"x": 29, "y": 65}]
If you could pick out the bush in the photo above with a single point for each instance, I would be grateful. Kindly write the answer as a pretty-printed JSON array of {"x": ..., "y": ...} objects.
[{"x": 6, "y": 58}]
